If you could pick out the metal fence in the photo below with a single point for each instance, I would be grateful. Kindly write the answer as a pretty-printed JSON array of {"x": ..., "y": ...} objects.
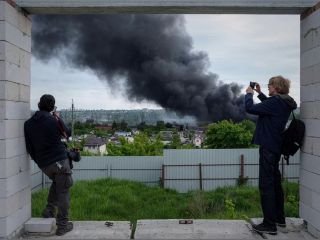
[
  {"x": 183, "y": 170},
  {"x": 145, "y": 169}
]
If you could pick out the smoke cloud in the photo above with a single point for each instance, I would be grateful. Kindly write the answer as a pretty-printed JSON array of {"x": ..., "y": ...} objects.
[{"x": 153, "y": 53}]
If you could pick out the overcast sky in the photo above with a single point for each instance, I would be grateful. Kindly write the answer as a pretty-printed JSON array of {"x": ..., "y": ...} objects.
[{"x": 241, "y": 48}]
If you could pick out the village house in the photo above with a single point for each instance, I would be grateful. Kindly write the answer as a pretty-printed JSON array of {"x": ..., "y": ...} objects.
[
  {"x": 197, "y": 140},
  {"x": 127, "y": 135},
  {"x": 166, "y": 137},
  {"x": 95, "y": 145}
]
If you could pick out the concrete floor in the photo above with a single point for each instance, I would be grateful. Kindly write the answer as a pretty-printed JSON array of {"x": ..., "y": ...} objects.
[{"x": 172, "y": 229}]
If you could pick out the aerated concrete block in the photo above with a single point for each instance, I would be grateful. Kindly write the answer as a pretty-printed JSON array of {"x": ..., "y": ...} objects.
[
  {"x": 2, "y": 13},
  {"x": 310, "y": 58},
  {"x": 13, "y": 166},
  {"x": 12, "y": 34},
  {"x": 40, "y": 225},
  {"x": 310, "y": 163},
  {"x": 309, "y": 32},
  {"x": 312, "y": 127},
  {"x": 9, "y": 91},
  {"x": 12, "y": 110}
]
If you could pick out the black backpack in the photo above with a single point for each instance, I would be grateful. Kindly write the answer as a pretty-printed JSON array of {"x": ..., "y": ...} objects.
[{"x": 292, "y": 138}]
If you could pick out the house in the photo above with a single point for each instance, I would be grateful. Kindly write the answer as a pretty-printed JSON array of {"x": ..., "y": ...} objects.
[
  {"x": 135, "y": 131},
  {"x": 95, "y": 145},
  {"x": 197, "y": 140},
  {"x": 127, "y": 135},
  {"x": 166, "y": 137},
  {"x": 122, "y": 134},
  {"x": 183, "y": 137},
  {"x": 104, "y": 127}
]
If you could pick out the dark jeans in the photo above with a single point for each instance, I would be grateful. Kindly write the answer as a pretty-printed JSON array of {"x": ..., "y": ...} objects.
[
  {"x": 271, "y": 192},
  {"x": 59, "y": 196}
]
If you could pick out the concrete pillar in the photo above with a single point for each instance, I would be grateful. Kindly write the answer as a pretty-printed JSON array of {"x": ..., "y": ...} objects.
[
  {"x": 15, "y": 56},
  {"x": 310, "y": 113}
]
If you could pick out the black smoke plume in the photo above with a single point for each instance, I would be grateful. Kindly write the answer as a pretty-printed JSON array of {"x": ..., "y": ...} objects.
[{"x": 153, "y": 53}]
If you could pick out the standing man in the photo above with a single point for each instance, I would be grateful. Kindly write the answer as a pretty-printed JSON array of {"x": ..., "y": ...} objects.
[
  {"x": 273, "y": 114},
  {"x": 43, "y": 133}
]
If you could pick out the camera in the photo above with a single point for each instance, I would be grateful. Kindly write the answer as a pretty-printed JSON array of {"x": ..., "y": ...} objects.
[
  {"x": 74, "y": 154},
  {"x": 253, "y": 84}
]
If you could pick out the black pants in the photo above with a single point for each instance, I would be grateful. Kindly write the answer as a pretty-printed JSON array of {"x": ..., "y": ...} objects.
[
  {"x": 59, "y": 196},
  {"x": 271, "y": 192}
]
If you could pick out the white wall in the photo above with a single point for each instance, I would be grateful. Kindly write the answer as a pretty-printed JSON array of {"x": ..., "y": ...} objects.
[
  {"x": 15, "y": 56},
  {"x": 310, "y": 113}
]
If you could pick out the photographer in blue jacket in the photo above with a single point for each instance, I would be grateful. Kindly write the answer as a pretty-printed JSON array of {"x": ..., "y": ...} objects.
[{"x": 273, "y": 113}]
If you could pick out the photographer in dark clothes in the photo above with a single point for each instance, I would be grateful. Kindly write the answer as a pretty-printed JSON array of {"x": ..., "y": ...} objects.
[
  {"x": 43, "y": 142},
  {"x": 273, "y": 114}
]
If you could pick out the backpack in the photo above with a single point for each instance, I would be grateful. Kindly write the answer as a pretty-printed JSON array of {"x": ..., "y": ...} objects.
[{"x": 292, "y": 138}]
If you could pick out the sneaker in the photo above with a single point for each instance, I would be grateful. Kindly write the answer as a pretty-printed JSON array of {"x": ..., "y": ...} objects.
[
  {"x": 62, "y": 230},
  {"x": 281, "y": 224},
  {"x": 261, "y": 228},
  {"x": 46, "y": 213}
]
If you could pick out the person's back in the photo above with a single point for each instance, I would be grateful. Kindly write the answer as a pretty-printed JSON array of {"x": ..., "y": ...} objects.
[
  {"x": 43, "y": 138},
  {"x": 272, "y": 121}
]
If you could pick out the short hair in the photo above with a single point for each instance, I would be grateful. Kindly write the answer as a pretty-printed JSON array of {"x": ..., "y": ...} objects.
[
  {"x": 46, "y": 103},
  {"x": 281, "y": 84}
]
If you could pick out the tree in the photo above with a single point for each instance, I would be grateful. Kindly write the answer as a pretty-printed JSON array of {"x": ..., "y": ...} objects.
[
  {"x": 123, "y": 125},
  {"x": 141, "y": 126},
  {"x": 160, "y": 126},
  {"x": 226, "y": 134},
  {"x": 114, "y": 125},
  {"x": 248, "y": 125},
  {"x": 176, "y": 142},
  {"x": 142, "y": 146}
]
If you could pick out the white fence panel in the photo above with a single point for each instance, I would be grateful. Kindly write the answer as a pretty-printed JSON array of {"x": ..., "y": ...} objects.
[{"x": 144, "y": 169}]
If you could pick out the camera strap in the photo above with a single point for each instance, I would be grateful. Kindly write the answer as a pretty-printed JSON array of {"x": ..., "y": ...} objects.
[{"x": 61, "y": 127}]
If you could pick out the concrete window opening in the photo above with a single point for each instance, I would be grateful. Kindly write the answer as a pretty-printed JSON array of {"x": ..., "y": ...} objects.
[{"x": 15, "y": 85}]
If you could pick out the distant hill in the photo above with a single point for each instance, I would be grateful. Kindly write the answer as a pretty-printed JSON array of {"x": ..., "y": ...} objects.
[{"x": 132, "y": 117}]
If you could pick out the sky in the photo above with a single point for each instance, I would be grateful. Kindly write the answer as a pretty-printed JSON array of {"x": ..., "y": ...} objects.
[{"x": 241, "y": 48}]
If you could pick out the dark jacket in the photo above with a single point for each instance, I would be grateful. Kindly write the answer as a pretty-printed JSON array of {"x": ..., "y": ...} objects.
[
  {"x": 43, "y": 139},
  {"x": 273, "y": 115}
]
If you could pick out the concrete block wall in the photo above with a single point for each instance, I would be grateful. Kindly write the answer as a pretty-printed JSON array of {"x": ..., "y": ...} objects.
[
  {"x": 310, "y": 113},
  {"x": 15, "y": 61}
]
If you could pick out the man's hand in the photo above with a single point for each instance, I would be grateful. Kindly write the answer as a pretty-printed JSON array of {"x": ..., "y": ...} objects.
[
  {"x": 257, "y": 88},
  {"x": 249, "y": 90},
  {"x": 56, "y": 114}
]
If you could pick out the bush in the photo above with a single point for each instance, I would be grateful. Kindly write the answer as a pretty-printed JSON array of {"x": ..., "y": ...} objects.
[{"x": 226, "y": 134}]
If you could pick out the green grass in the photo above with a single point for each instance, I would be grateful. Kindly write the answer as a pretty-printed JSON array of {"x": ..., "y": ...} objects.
[{"x": 110, "y": 199}]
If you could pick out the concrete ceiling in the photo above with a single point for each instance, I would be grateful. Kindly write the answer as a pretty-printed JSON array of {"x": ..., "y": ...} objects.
[{"x": 166, "y": 6}]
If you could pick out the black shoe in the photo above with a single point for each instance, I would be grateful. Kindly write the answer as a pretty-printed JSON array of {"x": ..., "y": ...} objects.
[
  {"x": 62, "y": 230},
  {"x": 281, "y": 224},
  {"x": 262, "y": 228},
  {"x": 46, "y": 213}
]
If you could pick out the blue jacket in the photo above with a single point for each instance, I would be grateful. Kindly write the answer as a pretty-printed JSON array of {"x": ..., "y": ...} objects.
[{"x": 273, "y": 114}]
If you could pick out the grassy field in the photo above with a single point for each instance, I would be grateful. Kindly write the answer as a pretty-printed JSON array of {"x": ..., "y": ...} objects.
[{"x": 110, "y": 199}]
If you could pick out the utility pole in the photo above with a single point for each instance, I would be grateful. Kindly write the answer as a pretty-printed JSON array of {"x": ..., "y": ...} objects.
[{"x": 72, "y": 121}]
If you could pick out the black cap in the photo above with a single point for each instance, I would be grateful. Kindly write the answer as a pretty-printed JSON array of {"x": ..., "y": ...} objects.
[{"x": 46, "y": 103}]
